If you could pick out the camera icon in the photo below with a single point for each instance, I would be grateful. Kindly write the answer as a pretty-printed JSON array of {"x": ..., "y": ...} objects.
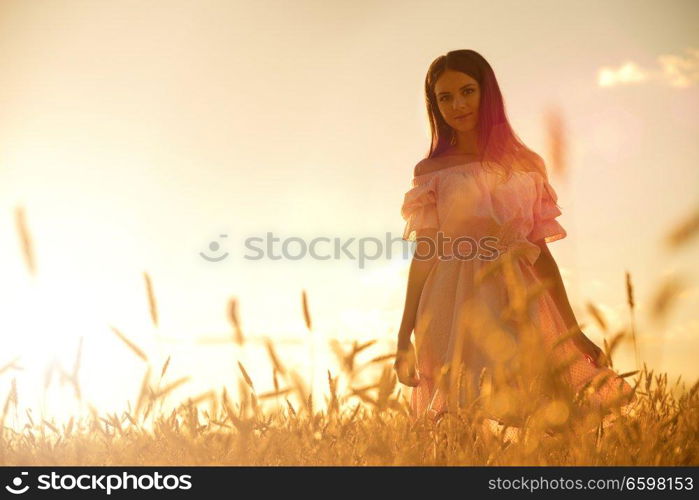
[
  {"x": 214, "y": 246},
  {"x": 16, "y": 488}
]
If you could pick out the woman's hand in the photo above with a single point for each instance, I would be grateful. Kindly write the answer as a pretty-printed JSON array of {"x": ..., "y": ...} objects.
[
  {"x": 405, "y": 366},
  {"x": 590, "y": 348}
]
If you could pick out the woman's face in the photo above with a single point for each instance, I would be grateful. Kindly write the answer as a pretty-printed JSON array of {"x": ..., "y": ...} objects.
[{"x": 458, "y": 98}]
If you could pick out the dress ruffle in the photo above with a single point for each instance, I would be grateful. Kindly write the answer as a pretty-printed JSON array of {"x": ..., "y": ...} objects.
[
  {"x": 419, "y": 209},
  {"x": 545, "y": 211}
]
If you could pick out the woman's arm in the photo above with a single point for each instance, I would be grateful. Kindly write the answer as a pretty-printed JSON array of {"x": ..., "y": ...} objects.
[
  {"x": 423, "y": 259},
  {"x": 547, "y": 269}
]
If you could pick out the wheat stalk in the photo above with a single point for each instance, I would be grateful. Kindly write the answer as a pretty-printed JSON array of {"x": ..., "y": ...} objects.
[
  {"x": 152, "y": 304},
  {"x": 630, "y": 301},
  {"x": 683, "y": 232},
  {"x": 25, "y": 240},
  {"x": 238, "y": 336},
  {"x": 134, "y": 348}
]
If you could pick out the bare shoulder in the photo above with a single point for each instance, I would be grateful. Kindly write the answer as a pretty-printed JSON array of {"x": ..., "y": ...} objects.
[
  {"x": 425, "y": 166},
  {"x": 444, "y": 160},
  {"x": 429, "y": 165}
]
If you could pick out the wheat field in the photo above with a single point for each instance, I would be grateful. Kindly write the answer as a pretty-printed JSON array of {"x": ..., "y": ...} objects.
[
  {"x": 363, "y": 420},
  {"x": 367, "y": 426}
]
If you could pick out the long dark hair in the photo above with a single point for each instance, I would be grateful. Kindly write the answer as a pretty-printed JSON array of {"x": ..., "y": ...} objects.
[{"x": 496, "y": 140}]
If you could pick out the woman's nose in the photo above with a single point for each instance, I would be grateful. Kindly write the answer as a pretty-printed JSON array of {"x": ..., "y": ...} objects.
[{"x": 458, "y": 102}]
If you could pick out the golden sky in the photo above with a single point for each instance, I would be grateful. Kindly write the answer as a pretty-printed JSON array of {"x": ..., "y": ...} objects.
[{"x": 136, "y": 133}]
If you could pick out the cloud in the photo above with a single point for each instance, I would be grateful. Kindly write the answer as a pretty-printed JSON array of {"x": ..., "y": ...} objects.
[
  {"x": 680, "y": 71},
  {"x": 629, "y": 72}
]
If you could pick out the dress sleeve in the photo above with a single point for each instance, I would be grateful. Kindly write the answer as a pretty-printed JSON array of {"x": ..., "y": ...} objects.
[
  {"x": 544, "y": 213},
  {"x": 420, "y": 209}
]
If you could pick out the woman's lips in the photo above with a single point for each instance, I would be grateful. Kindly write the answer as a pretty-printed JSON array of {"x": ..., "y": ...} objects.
[{"x": 461, "y": 117}]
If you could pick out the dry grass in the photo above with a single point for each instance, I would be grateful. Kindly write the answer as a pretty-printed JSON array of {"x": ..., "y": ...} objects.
[
  {"x": 365, "y": 424},
  {"x": 378, "y": 432},
  {"x": 364, "y": 419}
]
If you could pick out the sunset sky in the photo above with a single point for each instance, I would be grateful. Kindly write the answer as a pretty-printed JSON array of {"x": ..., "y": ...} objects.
[{"x": 134, "y": 134}]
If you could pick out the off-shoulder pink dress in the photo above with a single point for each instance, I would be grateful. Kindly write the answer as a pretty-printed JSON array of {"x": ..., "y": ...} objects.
[{"x": 471, "y": 200}]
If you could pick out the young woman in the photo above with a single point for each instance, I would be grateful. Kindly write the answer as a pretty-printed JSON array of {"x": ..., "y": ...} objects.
[{"x": 485, "y": 298}]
